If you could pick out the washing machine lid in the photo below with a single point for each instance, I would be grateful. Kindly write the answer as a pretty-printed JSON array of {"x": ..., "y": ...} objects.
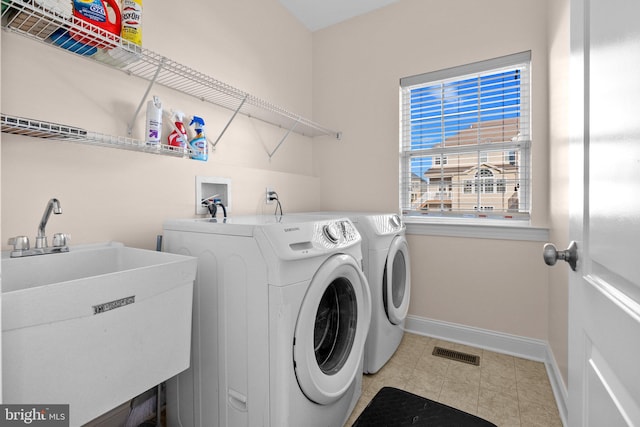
[
  {"x": 396, "y": 286},
  {"x": 331, "y": 329},
  {"x": 232, "y": 226}
]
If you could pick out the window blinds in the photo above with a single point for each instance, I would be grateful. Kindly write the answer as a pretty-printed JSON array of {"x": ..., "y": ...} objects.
[{"x": 465, "y": 145}]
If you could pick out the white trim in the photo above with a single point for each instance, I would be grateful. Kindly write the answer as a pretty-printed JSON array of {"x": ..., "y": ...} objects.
[
  {"x": 557, "y": 384},
  {"x": 476, "y": 230},
  {"x": 527, "y": 348},
  {"x": 462, "y": 70}
]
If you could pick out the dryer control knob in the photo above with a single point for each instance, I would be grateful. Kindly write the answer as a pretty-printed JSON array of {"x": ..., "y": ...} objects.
[
  {"x": 395, "y": 221},
  {"x": 348, "y": 231},
  {"x": 331, "y": 233}
]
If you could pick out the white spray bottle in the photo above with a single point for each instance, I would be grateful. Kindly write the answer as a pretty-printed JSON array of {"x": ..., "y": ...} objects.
[
  {"x": 177, "y": 139},
  {"x": 154, "y": 122}
]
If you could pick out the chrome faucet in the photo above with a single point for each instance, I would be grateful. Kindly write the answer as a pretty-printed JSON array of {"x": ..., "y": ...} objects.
[
  {"x": 52, "y": 206},
  {"x": 21, "y": 245}
]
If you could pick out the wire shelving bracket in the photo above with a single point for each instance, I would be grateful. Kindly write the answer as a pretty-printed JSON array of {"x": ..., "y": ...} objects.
[
  {"x": 235, "y": 113},
  {"x": 144, "y": 98},
  {"x": 283, "y": 139}
]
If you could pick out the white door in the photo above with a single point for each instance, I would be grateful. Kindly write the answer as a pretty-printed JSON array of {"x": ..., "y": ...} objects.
[{"x": 604, "y": 292}]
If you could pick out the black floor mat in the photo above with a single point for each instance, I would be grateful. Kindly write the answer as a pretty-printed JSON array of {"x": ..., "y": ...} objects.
[{"x": 392, "y": 407}]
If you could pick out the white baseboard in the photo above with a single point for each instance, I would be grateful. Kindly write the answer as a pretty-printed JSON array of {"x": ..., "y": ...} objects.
[
  {"x": 557, "y": 384},
  {"x": 527, "y": 348}
]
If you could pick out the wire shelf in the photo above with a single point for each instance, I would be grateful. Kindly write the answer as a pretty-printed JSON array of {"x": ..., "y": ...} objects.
[
  {"x": 51, "y": 22},
  {"x": 55, "y": 131}
]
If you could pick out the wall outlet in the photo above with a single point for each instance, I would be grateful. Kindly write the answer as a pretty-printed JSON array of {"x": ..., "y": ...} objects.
[{"x": 269, "y": 194}]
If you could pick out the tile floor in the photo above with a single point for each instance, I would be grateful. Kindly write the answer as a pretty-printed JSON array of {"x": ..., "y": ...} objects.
[{"x": 506, "y": 390}]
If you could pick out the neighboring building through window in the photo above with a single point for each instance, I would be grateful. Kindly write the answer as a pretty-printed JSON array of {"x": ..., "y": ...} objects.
[{"x": 466, "y": 141}]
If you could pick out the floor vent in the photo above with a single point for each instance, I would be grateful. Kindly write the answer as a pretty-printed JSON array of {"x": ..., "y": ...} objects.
[{"x": 456, "y": 355}]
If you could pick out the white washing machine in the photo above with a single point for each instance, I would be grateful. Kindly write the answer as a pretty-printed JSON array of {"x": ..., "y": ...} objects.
[
  {"x": 281, "y": 314},
  {"x": 385, "y": 254}
]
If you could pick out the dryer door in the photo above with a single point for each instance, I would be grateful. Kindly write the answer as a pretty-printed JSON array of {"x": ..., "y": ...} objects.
[
  {"x": 396, "y": 281},
  {"x": 331, "y": 329}
]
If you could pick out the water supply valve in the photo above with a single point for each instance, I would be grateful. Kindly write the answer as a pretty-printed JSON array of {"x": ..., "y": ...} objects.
[
  {"x": 19, "y": 243},
  {"x": 60, "y": 240}
]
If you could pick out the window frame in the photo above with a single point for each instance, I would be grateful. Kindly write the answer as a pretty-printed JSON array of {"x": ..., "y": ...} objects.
[{"x": 521, "y": 147}]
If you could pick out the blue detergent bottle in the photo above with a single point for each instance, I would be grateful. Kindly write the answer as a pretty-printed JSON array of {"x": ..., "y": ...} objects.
[{"x": 198, "y": 145}]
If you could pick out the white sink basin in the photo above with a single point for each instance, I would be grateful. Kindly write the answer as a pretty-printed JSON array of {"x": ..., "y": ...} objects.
[{"x": 93, "y": 327}]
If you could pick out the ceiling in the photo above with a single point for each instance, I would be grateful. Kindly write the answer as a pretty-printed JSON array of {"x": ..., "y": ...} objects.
[{"x": 318, "y": 14}]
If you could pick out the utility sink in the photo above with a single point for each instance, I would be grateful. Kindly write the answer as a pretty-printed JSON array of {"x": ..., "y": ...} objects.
[{"x": 93, "y": 327}]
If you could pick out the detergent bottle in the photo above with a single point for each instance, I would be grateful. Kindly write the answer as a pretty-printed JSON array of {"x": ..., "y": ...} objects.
[
  {"x": 198, "y": 145},
  {"x": 177, "y": 139},
  {"x": 104, "y": 14},
  {"x": 132, "y": 21}
]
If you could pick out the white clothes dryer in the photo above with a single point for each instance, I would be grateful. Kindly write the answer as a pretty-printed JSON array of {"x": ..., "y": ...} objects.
[
  {"x": 281, "y": 314},
  {"x": 385, "y": 254}
]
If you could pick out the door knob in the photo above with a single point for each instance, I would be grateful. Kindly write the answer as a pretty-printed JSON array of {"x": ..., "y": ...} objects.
[{"x": 570, "y": 255}]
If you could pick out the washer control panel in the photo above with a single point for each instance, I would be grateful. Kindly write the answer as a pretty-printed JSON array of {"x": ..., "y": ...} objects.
[
  {"x": 385, "y": 224},
  {"x": 340, "y": 232},
  {"x": 298, "y": 239}
]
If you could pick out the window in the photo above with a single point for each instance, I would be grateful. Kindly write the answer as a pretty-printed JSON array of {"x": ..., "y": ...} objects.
[
  {"x": 440, "y": 160},
  {"x": 466, "y": 141},
  {"x": 502, "y": 186},
  {"x": 485, "y": 178}
]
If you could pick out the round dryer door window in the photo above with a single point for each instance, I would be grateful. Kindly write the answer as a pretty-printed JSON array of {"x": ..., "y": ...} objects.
[
  {"x": 335, "y": 330},
  {"x": 396, "y": 284},
  {"x": 331, "y": 330}
]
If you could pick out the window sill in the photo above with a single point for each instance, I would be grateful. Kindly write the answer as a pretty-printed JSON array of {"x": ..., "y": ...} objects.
[{"x": 481, "y": 229}]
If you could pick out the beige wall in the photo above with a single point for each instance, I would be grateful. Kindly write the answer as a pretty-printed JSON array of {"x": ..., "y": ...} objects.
[
  {"x": 485, "y": 283},
  {"x": 110, "y": 194},
  {"x": 559, "y": 51},
  {"x": 489, "y": 284}
]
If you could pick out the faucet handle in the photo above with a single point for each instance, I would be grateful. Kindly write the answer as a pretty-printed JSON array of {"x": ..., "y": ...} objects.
[
  {"x": 60, "y": 240},
  {"x": 20, "y": 243}
]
